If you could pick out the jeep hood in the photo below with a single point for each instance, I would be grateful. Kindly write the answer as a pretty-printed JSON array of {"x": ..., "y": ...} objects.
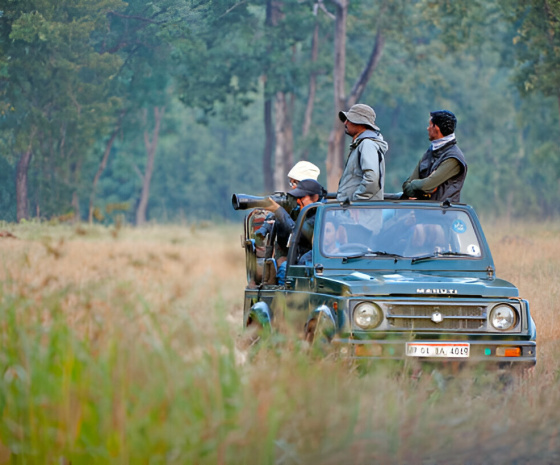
[{"x": 409, "y": 283}]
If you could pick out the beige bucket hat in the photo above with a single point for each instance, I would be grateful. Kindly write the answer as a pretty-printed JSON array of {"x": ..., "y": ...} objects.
[
  {"x": 304, "y": 170},
  {"x": 359, "y": 114}
]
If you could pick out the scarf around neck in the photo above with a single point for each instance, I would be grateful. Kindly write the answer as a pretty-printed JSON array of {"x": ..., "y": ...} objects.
[{"x": 436, "y": 144}]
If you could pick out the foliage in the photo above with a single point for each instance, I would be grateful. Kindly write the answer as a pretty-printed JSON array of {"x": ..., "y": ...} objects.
[
  {"x": 57, "y": 88},
  {"x": 213, "y": 51},
  {"x": 73, "y": 73},
  {"x": 537, "y": 43}
]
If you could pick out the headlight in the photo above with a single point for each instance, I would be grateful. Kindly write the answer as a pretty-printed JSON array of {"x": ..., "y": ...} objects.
[
  {"x": 367, "y": 315},
  {"x": 503, "y": 317}
]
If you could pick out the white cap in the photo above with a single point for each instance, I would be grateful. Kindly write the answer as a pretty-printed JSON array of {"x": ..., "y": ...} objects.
[{"x": 304, "y": 170}]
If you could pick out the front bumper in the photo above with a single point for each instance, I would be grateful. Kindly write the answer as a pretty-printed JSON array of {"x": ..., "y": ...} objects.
[{"x": 481, "y": 351}]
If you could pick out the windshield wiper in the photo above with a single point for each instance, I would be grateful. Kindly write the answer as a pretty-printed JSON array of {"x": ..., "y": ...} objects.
[
  {"x": 386, "y": 254},
  {"x": 372, "y": 253},
  {"x": 438, "y": 255}
]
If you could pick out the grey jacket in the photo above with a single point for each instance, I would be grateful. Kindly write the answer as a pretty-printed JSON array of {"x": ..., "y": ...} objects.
[{"x": 364, "y": 173}]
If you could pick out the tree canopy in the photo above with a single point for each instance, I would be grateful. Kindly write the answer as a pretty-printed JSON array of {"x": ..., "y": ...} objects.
[{"x": 161, "y": 110}]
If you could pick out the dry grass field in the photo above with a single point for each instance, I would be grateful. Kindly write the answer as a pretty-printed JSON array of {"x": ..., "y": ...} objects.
[{"x": 121, "y": 346}]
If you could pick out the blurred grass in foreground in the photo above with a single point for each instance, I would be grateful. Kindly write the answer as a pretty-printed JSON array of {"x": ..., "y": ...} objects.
[{"x": 123, "y": 346}]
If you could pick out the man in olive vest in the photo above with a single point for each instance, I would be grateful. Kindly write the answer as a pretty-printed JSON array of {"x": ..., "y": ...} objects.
[{"x": 442, "y": 170}]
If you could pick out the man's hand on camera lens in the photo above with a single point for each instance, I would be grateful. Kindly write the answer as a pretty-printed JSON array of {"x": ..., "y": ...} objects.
[{"x": 272, "y": 206}]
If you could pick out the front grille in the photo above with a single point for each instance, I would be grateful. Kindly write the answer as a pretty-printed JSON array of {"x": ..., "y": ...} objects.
[{"x": 421, "y": 317}]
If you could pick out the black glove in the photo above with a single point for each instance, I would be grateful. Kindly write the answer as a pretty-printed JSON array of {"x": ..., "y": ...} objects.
[{"x": 408, "y": 190}]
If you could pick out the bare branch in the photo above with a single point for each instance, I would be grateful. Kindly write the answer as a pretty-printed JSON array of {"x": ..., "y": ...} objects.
[
  {"x": 375, "y": 56},
  {"x": 76, "y": 104},
  {"x": 229, "y": 10},
  {"x": 368, "y": 70},
  {"x": 103, "y": 164},
  {"x": 137, "y": 170},
  {"x": 321, "y": 5}
]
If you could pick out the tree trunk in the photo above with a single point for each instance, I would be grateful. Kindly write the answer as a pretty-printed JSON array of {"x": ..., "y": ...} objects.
[
  {"x": 308, "y": 117},
  {"x": 102, "y": 166},
  {"x": 76, "y": 207},
  {"x": 559, "y": 105},
  {"x": 335, "y": 154},
  {"x": 22, "y": 169},
  {"x": 21, "y": 185},
  {"x": 283, "y": 154},
  {"x": 336, "y": 150},
  {"x": 268, "y": 146},
  {"x": 289, "y": 129},
  {"x": 551, "y": 18},
  {"x": 150, "y": 156},
  {"x": 274, "y": 140}
]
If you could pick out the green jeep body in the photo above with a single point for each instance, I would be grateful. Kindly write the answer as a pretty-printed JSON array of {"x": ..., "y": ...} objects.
[{"x": 401, "y": 280}]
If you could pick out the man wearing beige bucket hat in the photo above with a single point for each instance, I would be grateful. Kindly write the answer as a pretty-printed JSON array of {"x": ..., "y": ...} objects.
[{"x": 363, "y": 177}]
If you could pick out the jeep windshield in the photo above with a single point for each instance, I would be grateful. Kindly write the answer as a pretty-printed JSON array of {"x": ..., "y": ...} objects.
[{"x": 398, "y": 233}]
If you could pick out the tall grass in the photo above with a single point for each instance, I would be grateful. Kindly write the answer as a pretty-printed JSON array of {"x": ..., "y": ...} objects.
[{"x": 125, "y": 346}]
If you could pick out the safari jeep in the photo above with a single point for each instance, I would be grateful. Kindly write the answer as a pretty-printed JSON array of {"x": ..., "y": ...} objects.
[{"x": 392, "y": 279}]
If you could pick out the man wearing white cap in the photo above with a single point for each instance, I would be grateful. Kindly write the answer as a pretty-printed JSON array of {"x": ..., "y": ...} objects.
[
  {"x": 363, "y": 177},
  {"x": 302, "y": 170},
  {"x": 307, "y": 191}
]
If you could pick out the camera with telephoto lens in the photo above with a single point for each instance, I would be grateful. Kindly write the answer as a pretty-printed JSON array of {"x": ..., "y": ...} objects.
[{"x": 246, "y": 202}]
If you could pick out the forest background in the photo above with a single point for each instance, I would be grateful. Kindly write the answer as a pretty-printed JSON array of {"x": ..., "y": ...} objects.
[{"x": 160, "y": 110}]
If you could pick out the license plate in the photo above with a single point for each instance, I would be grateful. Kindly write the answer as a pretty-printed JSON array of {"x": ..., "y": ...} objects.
[{"x": 416, "y": 349}]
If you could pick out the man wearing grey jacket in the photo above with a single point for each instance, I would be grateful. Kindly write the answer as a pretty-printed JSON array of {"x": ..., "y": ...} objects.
[{"x": 363, "y": 177}]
